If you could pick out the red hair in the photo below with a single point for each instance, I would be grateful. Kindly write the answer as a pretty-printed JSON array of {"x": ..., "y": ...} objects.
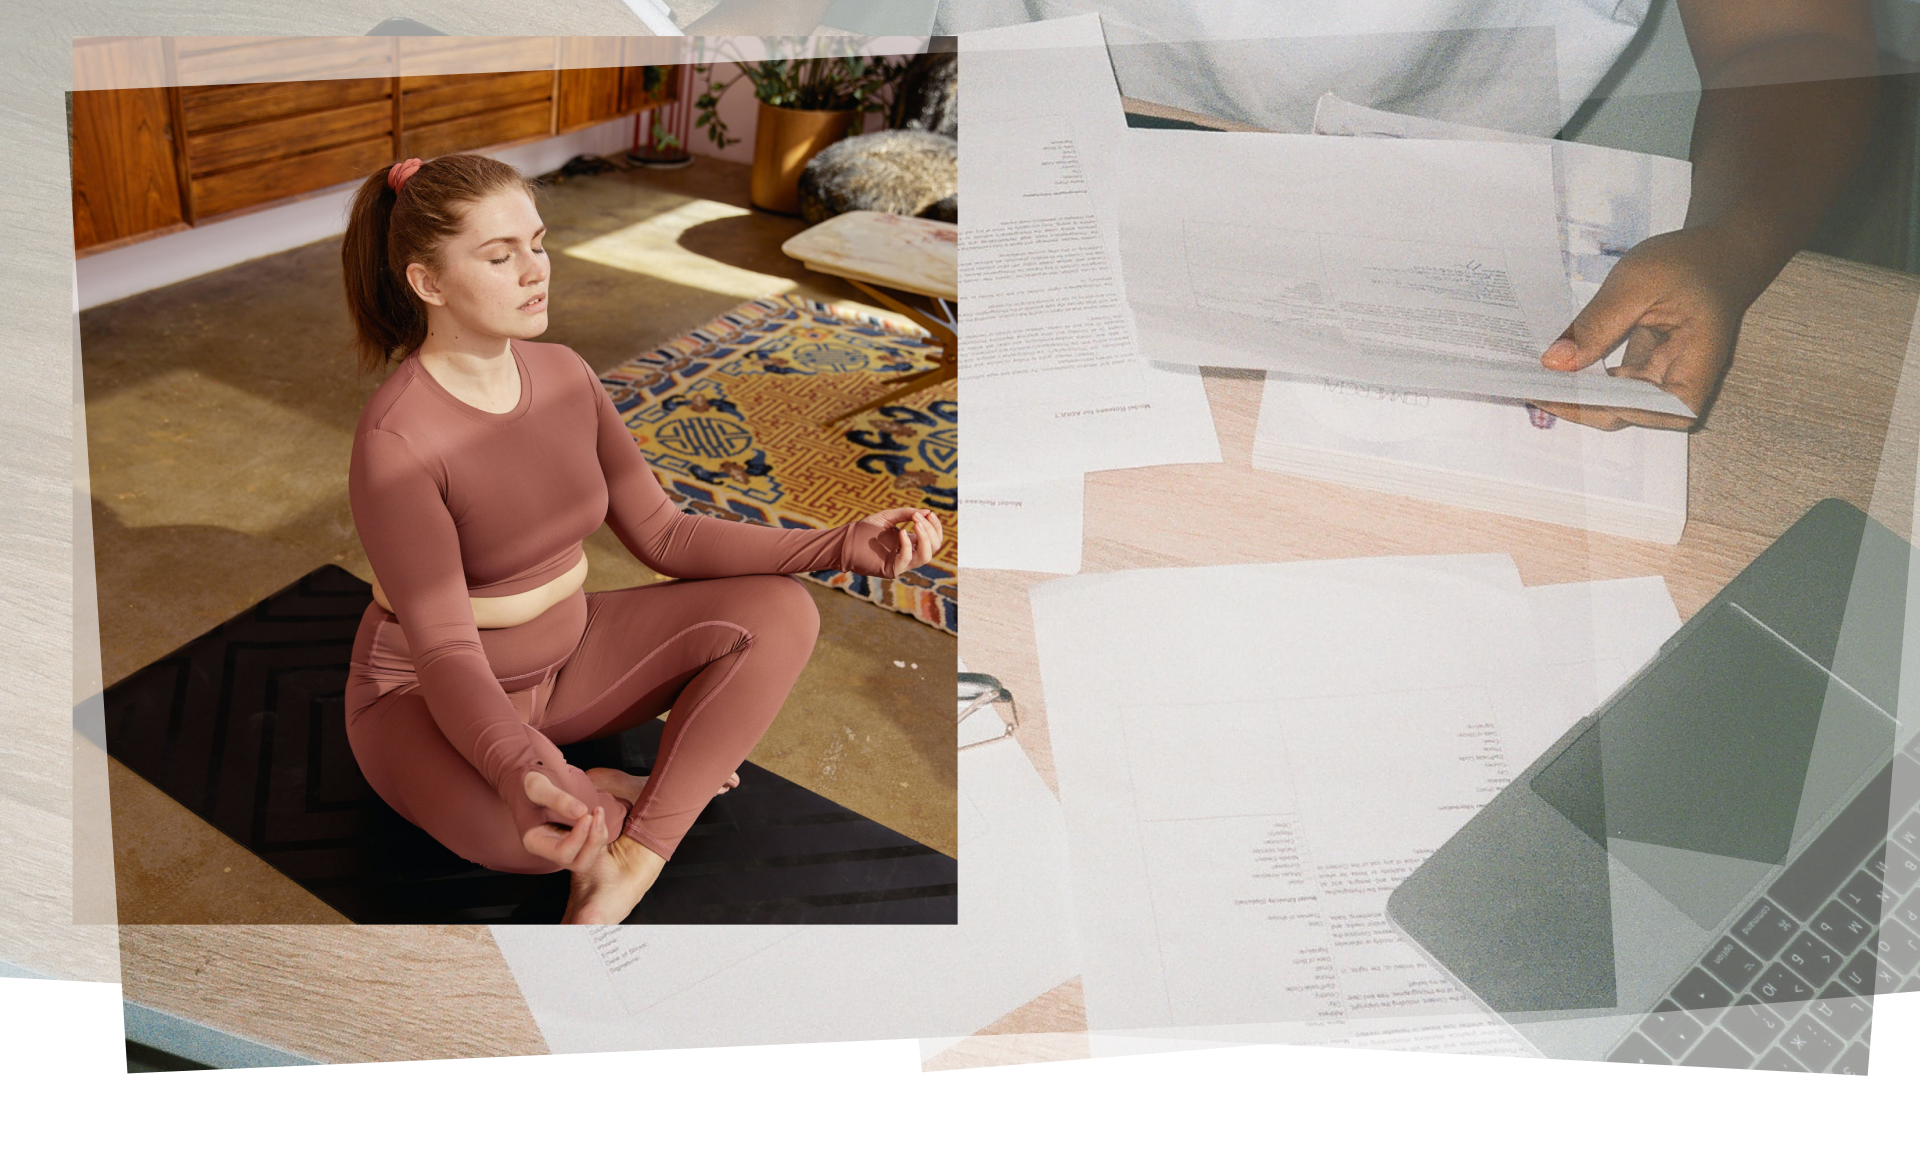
[{"x": 388, "y": 230}]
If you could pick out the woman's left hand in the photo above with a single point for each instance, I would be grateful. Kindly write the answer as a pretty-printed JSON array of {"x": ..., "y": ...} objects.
[{"x": 919, "y": 532}]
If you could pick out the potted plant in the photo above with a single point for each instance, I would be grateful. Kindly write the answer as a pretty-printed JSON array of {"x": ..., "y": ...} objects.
[{"x": 810, "y": 96}]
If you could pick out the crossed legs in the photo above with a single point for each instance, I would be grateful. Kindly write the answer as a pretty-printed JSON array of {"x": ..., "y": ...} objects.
[{"x": 721, "y": 654}]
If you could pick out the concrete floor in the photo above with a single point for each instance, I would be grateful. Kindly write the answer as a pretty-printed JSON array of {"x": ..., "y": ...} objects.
[{"x": 219, "y": 418}]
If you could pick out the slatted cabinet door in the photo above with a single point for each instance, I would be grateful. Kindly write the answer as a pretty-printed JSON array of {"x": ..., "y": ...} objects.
[
  {"x": 120, "y": 144},
  {"x": 464, "y": 92},
  {"x": 269, "y": 118}
]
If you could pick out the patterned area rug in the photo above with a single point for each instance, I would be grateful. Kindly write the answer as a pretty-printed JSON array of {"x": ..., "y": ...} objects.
[{"x": 730, "y": 415}]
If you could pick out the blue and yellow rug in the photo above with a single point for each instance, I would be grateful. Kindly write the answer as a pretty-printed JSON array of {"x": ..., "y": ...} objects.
[{"x": 730, "y": 414}]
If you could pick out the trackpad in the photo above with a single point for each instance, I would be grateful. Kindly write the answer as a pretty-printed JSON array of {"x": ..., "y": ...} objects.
[{"x": 1711, "y": 752}]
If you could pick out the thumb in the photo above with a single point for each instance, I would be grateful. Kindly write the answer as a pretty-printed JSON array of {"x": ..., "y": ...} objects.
[{"x": 1603, "y": 323}]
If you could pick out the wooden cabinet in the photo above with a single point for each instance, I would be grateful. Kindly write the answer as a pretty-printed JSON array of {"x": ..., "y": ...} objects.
[
  {"x": 603, "y": 77},
  {"x": 120, "y": 143},
  {"x": 258, "y": 123},
  {"x": 231, "y": 126},
  {"x": 460, "y": 92}
]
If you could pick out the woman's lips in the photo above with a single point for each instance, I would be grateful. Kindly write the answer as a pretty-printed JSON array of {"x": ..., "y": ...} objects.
[{"x": 535, "y": 304}]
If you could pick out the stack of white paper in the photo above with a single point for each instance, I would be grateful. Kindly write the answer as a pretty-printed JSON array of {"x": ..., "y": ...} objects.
[
  {"x": 1246, "y": 779},
  {"x": 1492, "y": 456},
  {"x": 1050, "y": 377}
]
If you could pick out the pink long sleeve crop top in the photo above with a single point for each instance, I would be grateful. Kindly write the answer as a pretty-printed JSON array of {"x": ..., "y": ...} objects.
[{"x": 452, "y": 501}]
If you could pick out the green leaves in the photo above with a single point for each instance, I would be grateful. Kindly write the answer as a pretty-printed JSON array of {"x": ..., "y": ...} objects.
[{"x": 810, "y": 83}]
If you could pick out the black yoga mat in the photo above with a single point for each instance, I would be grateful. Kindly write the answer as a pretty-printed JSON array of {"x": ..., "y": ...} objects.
[{"x": 245, "y": 725}]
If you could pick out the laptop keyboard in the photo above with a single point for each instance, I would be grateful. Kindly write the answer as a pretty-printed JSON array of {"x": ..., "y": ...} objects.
[{"x": 1790, "y": 987}]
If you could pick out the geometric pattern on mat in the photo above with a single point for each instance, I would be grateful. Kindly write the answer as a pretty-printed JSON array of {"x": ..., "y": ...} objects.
[
  {"x": 729, "y": 415},
  {"x": 245, "y": 726}
]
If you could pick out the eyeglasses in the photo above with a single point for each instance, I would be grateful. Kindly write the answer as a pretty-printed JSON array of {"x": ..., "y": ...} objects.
[{"x": 978, "y": 691}]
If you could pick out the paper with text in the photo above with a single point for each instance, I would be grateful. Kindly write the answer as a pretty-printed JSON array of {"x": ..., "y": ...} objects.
[{"x": 1427, "y": 264}]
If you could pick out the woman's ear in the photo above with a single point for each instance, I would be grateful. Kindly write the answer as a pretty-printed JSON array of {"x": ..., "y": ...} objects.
[{"x": 424, "y": 286}]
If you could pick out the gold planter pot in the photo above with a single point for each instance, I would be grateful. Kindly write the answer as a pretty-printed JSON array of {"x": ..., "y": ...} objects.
[{"x": 784, "y": 139}]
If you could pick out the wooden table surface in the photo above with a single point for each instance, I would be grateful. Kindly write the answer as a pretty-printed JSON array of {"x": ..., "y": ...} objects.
[{"x": 1823, "y": 400}]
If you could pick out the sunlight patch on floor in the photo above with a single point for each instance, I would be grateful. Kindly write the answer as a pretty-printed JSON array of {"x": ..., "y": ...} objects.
[{"x": 652, "y": 248}]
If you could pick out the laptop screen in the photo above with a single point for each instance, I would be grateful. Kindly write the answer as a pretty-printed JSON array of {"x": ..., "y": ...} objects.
[{"x": 1713, "y": 764}]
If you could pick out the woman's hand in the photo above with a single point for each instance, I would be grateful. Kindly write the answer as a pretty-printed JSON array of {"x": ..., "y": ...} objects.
[
  {"x": 912, "y": 550},
  {"x": 1670, "y": 301},
  {"x": 577, "y": 848}
]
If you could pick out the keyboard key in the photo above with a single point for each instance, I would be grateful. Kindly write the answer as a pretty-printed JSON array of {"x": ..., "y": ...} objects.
[
  {"x": 1698, "y": 992},
  {"x": 1780, "y": 986},
  {"x": 1847, "y": 1016},
  {"x": 1899, "y": 949},
  {"x": 1907, "y": 835},
  {"x": 1907, "y": 915},
  {"x": 1839, "y": 926},
  {"x": 1857, "y": 976},
  {"x": 1673, "y": 1030},
  {"x": 1811, "y": 959},
  {"x": 1765, "y": 929},
  {"x": 1852, "y": 1062},
  {"x": 1903, "y": 869},
  {"x": 1885, "y": 979},
  {"x": 1812, "y": 1044},
  {"x": 1834, "y": 854},
  {"x": 1637, "y": 1049},
  {"x": 1753, "y": 1024},
  {"x": 1778, "y": 1061},
  {"x": 1718, "y": 1050},
  {"x": 1862, "y": 894},
  {"x": 1733, "y": 965}
]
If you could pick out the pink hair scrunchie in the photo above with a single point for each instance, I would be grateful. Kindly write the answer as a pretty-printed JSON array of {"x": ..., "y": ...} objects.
[{"x": 399, "y": 174}]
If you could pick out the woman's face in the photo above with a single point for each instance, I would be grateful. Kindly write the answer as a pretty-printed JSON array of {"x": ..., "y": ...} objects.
[{"x": 492, "y": 279}]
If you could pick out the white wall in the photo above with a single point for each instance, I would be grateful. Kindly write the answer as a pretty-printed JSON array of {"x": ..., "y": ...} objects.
[
  {"x": 136, "y": 268},
  {"x": 740, "y": 110}
]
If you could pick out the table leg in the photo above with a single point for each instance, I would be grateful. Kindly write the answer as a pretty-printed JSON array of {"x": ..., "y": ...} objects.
[{"x": 947, "y": 369}]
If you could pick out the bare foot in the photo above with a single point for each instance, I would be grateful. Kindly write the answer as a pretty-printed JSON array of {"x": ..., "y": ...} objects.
[
  {"x": 627, "y": 787},
  {"x": 607, "y": 891}
]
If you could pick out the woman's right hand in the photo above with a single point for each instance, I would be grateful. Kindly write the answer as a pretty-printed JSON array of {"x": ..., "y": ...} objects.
[{"x": 575, "y": 848}]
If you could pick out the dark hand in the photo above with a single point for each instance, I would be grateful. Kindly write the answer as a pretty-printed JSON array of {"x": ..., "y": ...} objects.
[{"x": 1678, "y": 314}]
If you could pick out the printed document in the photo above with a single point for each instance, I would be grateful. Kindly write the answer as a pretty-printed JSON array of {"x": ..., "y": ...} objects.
[
  {"x": 1249, "y": 773},
  {"x": 1433, "y": 265},
  {"x": 1049, "y": 368}
]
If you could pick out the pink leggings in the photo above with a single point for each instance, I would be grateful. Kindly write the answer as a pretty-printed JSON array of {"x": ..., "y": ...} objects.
[{"x": 722, "y": 654}]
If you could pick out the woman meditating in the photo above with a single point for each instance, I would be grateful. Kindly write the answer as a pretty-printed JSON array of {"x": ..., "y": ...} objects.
[{"x": 479, "y": 466}]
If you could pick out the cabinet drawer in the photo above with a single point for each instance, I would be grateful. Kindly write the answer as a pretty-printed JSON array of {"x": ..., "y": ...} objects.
[
  {"x": 227, "y": 105},
  {"x": 255, "y": 184},
  {"x": 481, "y": 131},
  {"x": 452, "y": 97},
  {"x": 289, "y": 136}
]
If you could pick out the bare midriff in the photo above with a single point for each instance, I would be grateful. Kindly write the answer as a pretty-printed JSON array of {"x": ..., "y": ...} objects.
[{"x": 517, "y": 609}]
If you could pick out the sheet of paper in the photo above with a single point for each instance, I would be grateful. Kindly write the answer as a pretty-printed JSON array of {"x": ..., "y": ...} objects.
[
  {"x": 1050, "y": 373},
  {"x": 1032, "y": 527},
  {"x": 672, "y": 986},
  {"x": 1598, "y": 634},
  {"x": 1426, "y": 264},
  {"x": 1494, "y": 456},
  {"x": 1609, "y": 198},
  {"x": 1198, "y": 751}
]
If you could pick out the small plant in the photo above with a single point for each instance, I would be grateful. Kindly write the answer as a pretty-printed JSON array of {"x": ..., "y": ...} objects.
[{"x": 821, "y": 81}]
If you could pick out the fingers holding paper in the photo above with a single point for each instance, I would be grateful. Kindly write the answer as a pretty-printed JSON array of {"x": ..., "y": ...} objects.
[{"x": 1679, "y": 322}]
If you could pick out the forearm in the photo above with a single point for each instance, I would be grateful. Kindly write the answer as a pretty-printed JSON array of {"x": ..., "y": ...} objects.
[
  {"x": 760, "y": 18},
  {"x": 689, "y": 546},
  {"x": 1780, "y": 129}
]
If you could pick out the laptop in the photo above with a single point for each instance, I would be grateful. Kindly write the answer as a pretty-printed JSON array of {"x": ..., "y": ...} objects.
[{"x": 1721, "y": 864}]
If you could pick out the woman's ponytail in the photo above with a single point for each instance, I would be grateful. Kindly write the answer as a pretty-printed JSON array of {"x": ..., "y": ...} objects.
[{"x": 388, "y": 230}]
